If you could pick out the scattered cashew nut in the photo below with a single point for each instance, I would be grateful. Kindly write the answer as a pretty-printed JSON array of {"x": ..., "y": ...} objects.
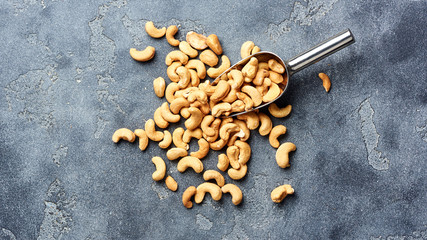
[
  {"x": 208, "y": 57},
  {"x": 215, "y": 72},
  {"x": 246, "y": 48},
  {"x": 212, "y": 174},
  {"x": 177, "y": 138},
  {"x": 143, "y": 139},
  {"x": 235, "y": 192},
  {"x": 197, "y": 41},
  {"x": 153, "y": 31},
  {"x": 150, "y": 130},
  {"x": 203, "y": 149},
  {"x": 167, "y": 140},
  {"x": 266, "y": 124},
  {"x": 326, "y": 81},
  {"x": 190, "y": 161},
  {"x": 211, "y": 188},
  {"x": 274, "y": 134},
  {"x": 279, "y": 193},
  {"x": 171, "y": 183},
  {"x": 195, "y": 119},
  {"x": 186, "y": 196},
  {"x": 170, "y": 33},
  {"x": 282, "y": 154},
  {"x": 279, "y": 112},
  {"x": 238, "y": 174},
  {"x": 160, "y": 172},
  {"x": 223, "y": 162},
  {"x": 175, "y": 153},
  {"x": 213, "y": 42},
  {"x": 123, "y": 133},
  {"x": 144, "y": 55},
  {"x": 186, "y": 48},
  {"x": 159, "y": 86},
  {"x": 176, "y": 56}
]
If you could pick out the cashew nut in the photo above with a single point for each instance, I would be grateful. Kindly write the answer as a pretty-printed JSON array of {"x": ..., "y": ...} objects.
[
  {"x": 160, "y": 172},
  {"x": 159, "y": 86},
  {"x": 171, "y": 71},
  {"x": 205, "y": 125},
  {"x": 266, "y": 124},
  {"x": 187, "y": 49},
  {"x": 203, "y": 107},
  {"x": 276, "y": 66},
  {"x": 260, "y": 75},
  {"x": 195, "y": 80},
  {"x": 220, "y": 108},
  {"x": 167, "y": 140},
  {"x": 273, "y": 93},
  {"x": 221, "y": 91},
  {"x": 235, "y": 192},
  {"x": 195, "y": 133},
  {"x": 275, "y": 77},
  {"x": 213, "y": 42},
  {"x": 178, "y": 103},
  {"x": 225, "y": 64},
  {"x": 184, "y": 112},
  {"x": 167, "y": 114},
  {"x": 177, "y": 138},
  {"x": 195, "y": 119},
  {"x": 215, "y": 125},
  {"x": 326, "y": 81},
  {"x": 144, "y": 55},
  {"x": 158, "y": 119},
  {"x": 223, "y": 162},
  {"x": 123, "y": 133},
  {"x": 150, "y": 130},
  {"x": 282, "y": 154},
  {"x": 143, "y": 139},
  {"x": 279, "y": 112},
  {"x": 170, "y": 33},
  {"x": 176, "y": 56},
  {"x": 208, "y": 57},
  {"x": 211, "y": 188},
  {"x": 175, "y": 153},
  {"x": 186, "y": 196},
  {"x": 199, "y": 66},
  {"x": 251, "y": 119},
  {"x": 171, "y": 183},
  {"x": 238, "y": 174},
  {"x": 218, "y": 145},
  {"x": 233, "y": 156},
  {"x": 256, "y": 49},
  {"x": 197, "y": 41},
  {"x": 207, "y": 88},
  {"x": 263, "y": 65},
  {"x": 244, "y": 151},
  {"x": 237, "y": 77},
  {"x": 203, "y": 149},
  {"x": 274, "y": 134},
  {"x": 239, "y": 105},
  {"x": 246, "y": 48},
  {"x": 170, "y": 91},
  {"x": 227, "y": 129},
  {"x": 190, "y": 161},
  {"x": 184, "y": 76},
  {"x": 244, "y": 128},
  {"x": 212, "y": 174},
  {"x": 250, "y": 69},
  {"x": 254, "y": 94},
  {"x": 279, "y": 193},
  {"x": 198, "y": 95},
  {"x": 153, "y": 31}
]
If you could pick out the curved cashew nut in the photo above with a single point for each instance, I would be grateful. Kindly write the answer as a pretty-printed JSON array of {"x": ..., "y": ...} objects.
[
  {"x": 279, "y": 193},
  {"x": 123, "y": 133},
  {"x": 177, "y": 138},
  {"x": 279, "y": 112},
  {"x": 159, "y": 86},
  {"x": 160, "y": 172},
  {"x": 199, "y": 66},
  {"x": 227, "y": 129},
  {"x": 192, "y": 162},
  {"x": 248, "y": 102},
  {"x": 209, "y": 58},
  {"x": 231, "y": 96},
  {"x": 246, "y": 48},
  {"x": 167, "y": 140},
  {"x": 203, "y": 149},
  {"x": 203, "y": 107},
  {"x": 197, "y": 41},
  {"x": 276, "y": 66},
  {"x": 170, "y": 33},
  {"x": 282, "y": 154},
  {"x": 184, "y": 76},
  {"x": 184, "y": 112},
  {"x": 266, "y": 124},
  {"x": 221, "y": 91},
  {"x": 186, "y": 48},
  {"x": 167, "y": 114},
  {"x": 205, "y": 125},
  {"x": 233, "y": 156},
  {"x": 260, "y": 75},
  {"x": 198, "y": 95},
  {"x": 326, "y": 81},
  {"x": 195, "y": 80},
  {"x": 153, "y": 31},
  {"x": 253, "y": 94},
  {"x": 243, "y": 127},
  {"x": 171, "y": 71},
  {"x": 144, "y": 55},
  {"x": 143, "y": 139},
  {"x": 170, "y": 91},
  {"x": 275, "y": 77},
  {"x": 218, "y": 145},
  {"x": 235, "y": 192},
  {"x": 251, "y": 119},
  {"x": 186, "y": 196},
  {"x": 150, "y": 130},
  {"x": 195, "y": 119},
  {"x": 213, "y": 42},
  {"x": 255, "y": 50},
  {"x": 238, "y": 105},
  {"x": 158, "y": 119},
  {"x": 250, "y": 69},
  {"x": 175, "y": 153},
  {"x": 211, "y": 188},
  {"x": 195, "y": 133},
  {"x": 212, "y": 174},
  {"x": 238, "y": 174},
  {"x": 171, "y": 183},
  {"x": 263, "y": 65},
  {"x": 273, "y": 93},
  {"x": 176, "y": 56},
  {"x": 237, "y": 77},
  {"x": 244, "y": 151},
  {"x": 225, "y": 64},
  {"x": 274, "y": 134},
  {"x": 220, "y": 108},
  {"x": 223, "y": 162},
  {"x": 207, "y": 88},
  {"x": 178, "y": 103}
]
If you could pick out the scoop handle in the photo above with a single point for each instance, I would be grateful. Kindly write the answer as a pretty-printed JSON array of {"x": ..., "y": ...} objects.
[{"x": 320, "y": 51}]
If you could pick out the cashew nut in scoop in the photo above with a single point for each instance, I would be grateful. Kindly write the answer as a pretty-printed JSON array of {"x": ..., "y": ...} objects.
[
  {"x": 238, "y": 174},
  {"x": 233, "y": 156},
  {"x": 209, "y": 58},
  {"x": 178, "y": 103},
  {"x": 215, "y": 175},
  {"x": 266, "y": 124},
  {"x": 160, "y": 172},
  {"x": 235, "y": 192},
  {"x": 279, "y": 112},
  {"x": 275, "y": 77},
  {"x": 250, "y": 69},
  {"x": 253, "y": 94},
  {"x": 211, "y": 188},
  {"x": 248, "y": 102},
  {"x": 176, "y": 56},
  {"x": 272, "y": 93},
  {"x": 251, "y": 119},
  {"x": 175, "y": 153},
  {"x": 246, "y": 48},
  {"x": 282, "y": 154},
  {"x": 153, "y": 31},
  {"x": 223, "y": 162},
  {"x": 143, "y": 139},
  {"x": 326, "y": 81},
  {"x": 195, "y": 119},
  {"x": 187, "y": 195},
  {"x": 167, "y": 114},
  {"x": 244, "y": 151},
  {"x": 158, "y": 119},
  {"x": 186, "y": 48},
  {"x": 170, "y": 33},
  {"x": 195, "y": 133},
  {"x": 215, "y": 72},
  {"x": 203, "y": 149},
  {"x": 260, "y": 75},
  {"x": 177, "y": 138},
  {"x": 276, "y": 66},
  {"x": 274, "y": 134},
  {"x": 237, "y": 77},
  {"x": 279, "y": 193},
  {"x": 263, "y": 65},
  {"x": 238, "y": 105},
  {"x": 123, "y": 133},
  {"x": 150, "y": 130},
  {"x": 144, "y": 55},
  {"x": 171, "y": 183},
  {"x": 167, "y": 140},
  {"x": 191, "y": 162},
  {"x": 213, "y": 42},
  {"x": 159, "y": 86},
  {"x": 199, "y": 66}
]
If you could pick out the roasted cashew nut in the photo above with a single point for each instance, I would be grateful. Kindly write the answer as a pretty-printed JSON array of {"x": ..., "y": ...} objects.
[
  {"x": 276, "y": 66},
  {"x": 272, "y": 93},
  {"x": 246, "y": 48},
  {"x": 187, "y": 49},
  {"x": 233, "y": 156},
  {"x": 235, "y": 192},
  {"x": 153, "y": 31},
  {"x": 260, "y": 75},
  {"x": 251, "y": 119},
  {"x": 227, "y": 129},
  {"x": 231, "y": 96},
  {"x": 176, "y": 56},
  {"x": 170, "y": 91},
  {"x": 198, "y": 95},
  {"x": 213, "y": 42},
  {"x": 209, "y": 58},
  {"x": 211, "y": 188},
  {"x": 175, "y": 153},
  {"x": 274, "y": 134},
  {"x": 215, "y": 127},
  {"x": 255, "y": 50},
  {"x": 191, "y": 162},
  {"x": 143, "y": 139},
  {"x": 215, "y": 175},
  {"x": 186, "y": 196},
  {"x": 167, "y": 114},
  {"x": 123, "y": 133},
  {"x": 197, "y": 41},
  {"x": 167, "y": 140},
  {"x": 184, "y": 76},
  {"x": 171, "y": 71},
  {"x": 160, "y": 172},
  {"x": 244, "y": 151},
  {"x": 150, "y": 130},
  {"x": 158, "y": 119},
  {"x": 203, "y": 149},
  {"x": 203, "y": 107},
  {"x": 237, "y": 77},
  {"x": 238, "y": 174},
  {"x": 218, "y": 145},
  {"x": 170, "y": 33},
  {"x": 199, "y": 66},
  {"x": 223, "y": 162},
  {"x": 221, "y": 91},
  {"x": 282, "y": 154},
  {"x": 266, "y": 124},
  {"x": 275, "y": 77},
  {"x": 326, "y": 81},
  {"x": 144, "y": 55},
  {"x": 248, "y": 103},
  {"x": 238, "y": 105},
  {"x": 195, "y": 133},
  {"x": 195, "y": 119},
  {"x": 177, "y": 138},
  {"x": 279, "y": 193},
  {"x": 225, "y": 64},
  {"x": 250, "y": 69},
  {"x": 184, "y": 112},
  {"x": 178, "y": 103},
  {"x": 195, "y": 80},
  {"x": 159, "y": 86},
  {"x": 243, "y": 127},
  {"x": 253, "y": 94},
  {"x": 171, "y": 183},
  {"x": 220, "y": 109},
  {"x": 207, "y": 88},
  {"x": 279, "y": 112}
]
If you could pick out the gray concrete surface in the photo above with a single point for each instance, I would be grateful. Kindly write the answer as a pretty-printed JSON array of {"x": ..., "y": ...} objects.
[{"x": 67, "y": 83}]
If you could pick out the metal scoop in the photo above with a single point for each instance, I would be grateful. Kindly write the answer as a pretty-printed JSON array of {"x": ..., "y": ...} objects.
[{"x": 296, "y": 63}]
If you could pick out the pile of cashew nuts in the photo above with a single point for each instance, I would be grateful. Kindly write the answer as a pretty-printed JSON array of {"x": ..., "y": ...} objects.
[{"x": 205, "y": 108}]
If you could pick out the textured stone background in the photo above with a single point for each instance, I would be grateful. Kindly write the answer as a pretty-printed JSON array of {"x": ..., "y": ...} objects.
[{"x": 67, "y": 82}]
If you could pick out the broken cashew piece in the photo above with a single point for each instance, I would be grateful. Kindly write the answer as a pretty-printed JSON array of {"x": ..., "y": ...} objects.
[
  {"x": 150, "y": 130},
  {"x": 153, "y": 31},
  {"x": 175, "y": 153},
  {"x": 223, "y": 162},
  {"x": 279, "y": 193},
  {"x": 170, "y": 33},
  {"x": 177, "y": 138},
  {"x": 211, "y": 188},
  {"x": 144, "y": 55},
  {"x": 246, "y": 48},
  {"x": 276, "y": 66},
  {"x": 160, "y": 172},
  {"x": 235, "y": 192},
  {"x": 274, "y": 134},
  {"x": 212, "y": 174},
  {"x": 213, "y": 43},
  {"x": 191, "y": 162},
  {"x": 123, "y": 133},
  {"x": 159, "y": 86},
  {"x": 208, "y": 57},
  {"x": 143, "y": 139},
  {"x": 167, "y": 140},
  {"x": 171, "y": 183},
  {"x": 326, "y": 81},
  {"x": 203, "y": 149},
  {"x": 282, "y": 154},
  {"x": 215, "y": 72},
  {"x": 186, "y": 196},
  {"x": 197, "y": 41},
  {"x": 279, "y": 112}
]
